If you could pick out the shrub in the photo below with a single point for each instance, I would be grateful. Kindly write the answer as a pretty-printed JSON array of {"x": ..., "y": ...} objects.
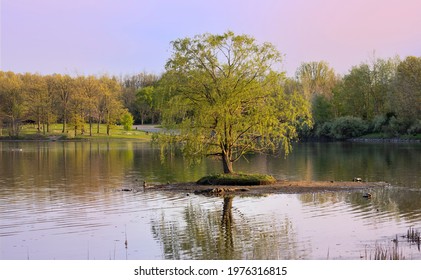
[
  {"x": 396, "y": 127},
  {"x": 415, "y": 128},
  {"x": 127, "y": 121},
  {"x": 378, "y": 123},
  {"x": 348, "y": 127},
  {"x": 324, "y": 130}
]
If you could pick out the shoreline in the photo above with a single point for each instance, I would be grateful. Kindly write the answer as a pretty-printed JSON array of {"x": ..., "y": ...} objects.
[
  {"x": 279, "y": 187},
  {"x": 384, "y": 140}
]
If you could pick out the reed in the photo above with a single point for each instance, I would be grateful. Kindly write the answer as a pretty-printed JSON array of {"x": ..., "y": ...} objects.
[
  {"x": 388, "y": 252},
  {"x": 414, "y": 236},
  {"x": 382, "y": 252}
]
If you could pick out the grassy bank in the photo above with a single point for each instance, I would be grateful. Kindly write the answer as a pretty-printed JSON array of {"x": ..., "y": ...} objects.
[
  {"x": 30, "y": 132},
  {"x": 237, "y": 179}
]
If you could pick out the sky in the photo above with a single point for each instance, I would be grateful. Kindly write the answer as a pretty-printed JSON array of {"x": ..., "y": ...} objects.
[{"x": 124, "y": 37}]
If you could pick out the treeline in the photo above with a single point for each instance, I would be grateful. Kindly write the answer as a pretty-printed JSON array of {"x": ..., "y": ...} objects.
[
  {"x": 76, "y": 102},
  {"x": 381, "y": 97}
]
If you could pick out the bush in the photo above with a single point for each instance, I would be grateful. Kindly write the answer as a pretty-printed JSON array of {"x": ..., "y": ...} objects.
[
  {"x": 378, "y": 123},
  {"x": 237, "y": 179},
  {"x": 324, "y": 130},
  {"x": 415, "y": 128},
  {"x": 127, "y": 121},
  {"x": 348, "y": 127},
  {"x": 396, "y": 127}
]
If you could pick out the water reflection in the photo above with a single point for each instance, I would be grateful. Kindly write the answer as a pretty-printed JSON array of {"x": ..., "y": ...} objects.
[
  {"x": 398, "y": 164},
  {"x": 60, "y": 200},
  {"x": 227, "y": 233}
]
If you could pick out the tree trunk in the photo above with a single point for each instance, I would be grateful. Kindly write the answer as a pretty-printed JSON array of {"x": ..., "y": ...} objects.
[
  {"x": 39, "y": 123},
  {"x": 64, "y": 121},
  {"x": 90, "y": 124},
  {"x": 108, "y": 123},
  {"x": 227, "y": 164}
]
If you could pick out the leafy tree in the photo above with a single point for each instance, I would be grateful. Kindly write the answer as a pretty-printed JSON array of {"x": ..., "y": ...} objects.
[
  {"x": 316, "y": 78},
  {"x": 317, "y": 82},
  {"x": 51, "y": 103},
  {"x": 322, "y": 109},
  {"x": 366, "y": 90},
  {"x": 13, "y": 104},
  {"x": 127, "y": 121},
  {"x": 225, "y": 99},
  {"x": 89, "y": 88},
  {"x": 36, "y": 92},
  {"x": 64, "y": 87},
  {"x": 110, "y": 102},
  {"x": 131, "y": 84},
  {"x": 144, "y": 98},
  {"x": 408, "y": 88}
]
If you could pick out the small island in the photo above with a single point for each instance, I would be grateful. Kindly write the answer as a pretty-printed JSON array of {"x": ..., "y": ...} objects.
[{"x": 276, "y": 187}]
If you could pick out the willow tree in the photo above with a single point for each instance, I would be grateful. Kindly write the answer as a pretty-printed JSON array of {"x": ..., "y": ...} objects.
[{"x": 224, "y": 98}]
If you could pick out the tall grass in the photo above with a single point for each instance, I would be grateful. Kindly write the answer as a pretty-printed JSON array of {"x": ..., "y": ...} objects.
[{"x": 392, "y": 251}]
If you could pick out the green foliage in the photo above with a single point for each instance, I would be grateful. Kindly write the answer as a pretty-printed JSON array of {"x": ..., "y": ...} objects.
[
  {"x": 396, "y": 126},
  {"x": 378, "y": 123},
  {"x": 322, "y": 109},
  {"x": 127, "y": 121},
  {"x": 407, "y": 88},
  {"x": 47, "y": 99},
  {"x": 324, "y": 130},
  {"x": 144, "y": 102},
  {"x": 224, "y": 98},
  {"x": 366, "y": 90},
  {"x": 317, "y": 79},
  {"x": 348, "y": 127},
  {"x": 415, "y": 128},
  {"x": 237, "y": 179},
  {"x": 13, "y": 104}
]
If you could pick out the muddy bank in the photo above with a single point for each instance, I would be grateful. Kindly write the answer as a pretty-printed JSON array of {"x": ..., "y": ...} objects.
[{"x": 278, "y": 187}]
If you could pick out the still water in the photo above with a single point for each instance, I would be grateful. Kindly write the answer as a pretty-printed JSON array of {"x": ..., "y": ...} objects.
[{"x": 60, "y": 200}]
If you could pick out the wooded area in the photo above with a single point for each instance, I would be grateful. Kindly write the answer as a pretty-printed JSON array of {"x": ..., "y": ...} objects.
[{"x": 380, "y": 96}]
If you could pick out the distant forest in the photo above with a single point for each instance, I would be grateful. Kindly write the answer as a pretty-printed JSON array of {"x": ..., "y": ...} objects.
[{"x": 380, "y": 97}]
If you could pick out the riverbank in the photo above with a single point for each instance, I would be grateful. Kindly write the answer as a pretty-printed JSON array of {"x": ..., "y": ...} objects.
[
  {"x": 278, "y": 187},
  {"x": 384, "y": 140},
  {"x": 30, "y": 133}
]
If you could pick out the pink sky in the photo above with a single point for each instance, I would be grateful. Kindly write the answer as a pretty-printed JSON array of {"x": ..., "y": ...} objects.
[{"x": 129, "y": 36}]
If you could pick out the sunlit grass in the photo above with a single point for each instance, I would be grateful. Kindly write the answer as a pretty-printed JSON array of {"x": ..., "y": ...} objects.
[{"x": 30, "y": 132}]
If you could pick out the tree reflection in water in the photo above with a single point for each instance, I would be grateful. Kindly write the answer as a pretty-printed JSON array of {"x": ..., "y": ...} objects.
[{"x": 208, "y": 234}]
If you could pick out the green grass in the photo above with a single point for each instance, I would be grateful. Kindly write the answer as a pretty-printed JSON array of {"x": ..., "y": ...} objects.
[
  {"x": 30, "y": 132},
  {"x": 237, "y": 179}
]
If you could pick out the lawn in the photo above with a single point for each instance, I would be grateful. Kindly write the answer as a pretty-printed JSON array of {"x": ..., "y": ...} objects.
[{"x": 30, "y": 132}]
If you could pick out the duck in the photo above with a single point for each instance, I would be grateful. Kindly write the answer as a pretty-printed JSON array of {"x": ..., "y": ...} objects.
[
  {"x": 367, "y": 195},
  {"x": 357, "y": 179}
]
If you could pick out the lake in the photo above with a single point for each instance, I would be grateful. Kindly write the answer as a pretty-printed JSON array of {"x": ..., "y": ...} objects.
[{"x": 61, "y": 200}]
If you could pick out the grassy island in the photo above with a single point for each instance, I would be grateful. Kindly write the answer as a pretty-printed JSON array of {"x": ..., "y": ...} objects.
[{"x": 237, "y": 179}]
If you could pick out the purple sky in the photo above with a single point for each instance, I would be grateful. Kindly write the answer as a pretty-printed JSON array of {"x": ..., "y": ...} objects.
[{"x": 130, "y": 36}]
